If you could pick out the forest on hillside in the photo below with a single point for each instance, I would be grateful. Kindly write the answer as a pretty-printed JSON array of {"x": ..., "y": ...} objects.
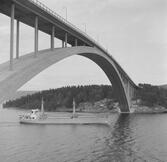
[
  {"x": 148, "y": 95},
  {"x": 152, "y": 95},
  {"x": 63, "y": 97}
]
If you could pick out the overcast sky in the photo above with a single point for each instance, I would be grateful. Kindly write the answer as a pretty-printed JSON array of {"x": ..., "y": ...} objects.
[{"x": 133, "y": 31}]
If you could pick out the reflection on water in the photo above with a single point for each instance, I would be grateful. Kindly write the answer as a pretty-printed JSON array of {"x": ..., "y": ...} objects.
[
  {"x": 129, "y": 138},
  {"x": 121, "y": 141}
]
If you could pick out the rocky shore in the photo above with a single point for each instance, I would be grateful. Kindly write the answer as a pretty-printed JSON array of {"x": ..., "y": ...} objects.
[
  {"x": 146, "y": 109},
  {"x": 109, "y": 105}
]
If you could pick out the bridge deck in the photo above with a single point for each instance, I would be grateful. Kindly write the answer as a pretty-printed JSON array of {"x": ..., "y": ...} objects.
[{"x": 25, "y": 12}]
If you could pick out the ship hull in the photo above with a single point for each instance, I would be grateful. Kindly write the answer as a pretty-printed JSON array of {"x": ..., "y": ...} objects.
[{"x": 66, "y": 121}]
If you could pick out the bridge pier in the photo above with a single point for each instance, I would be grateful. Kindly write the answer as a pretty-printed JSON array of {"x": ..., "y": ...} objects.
[
  {"x": 17, "y": 39},
  {"x": 12, "y": 35},
  {"x": 62, "y": 44},
  {"x": 52, "y": 37},
  {"x": 130, "y": 92},
  {"x": 36, "y": 36},
  {"x": 76, "y": 42},
  {"x": 66, "y": 39}
]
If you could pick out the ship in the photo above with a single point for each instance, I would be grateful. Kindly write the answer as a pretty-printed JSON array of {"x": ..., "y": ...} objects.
[{"x": 37, "y": 116}]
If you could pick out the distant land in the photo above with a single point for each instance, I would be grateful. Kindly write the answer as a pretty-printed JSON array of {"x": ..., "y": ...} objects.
[
  {"x": 91, "y": 98},
  {"x": 62, "y": 98},
  {"x": 163, "y": 86}
]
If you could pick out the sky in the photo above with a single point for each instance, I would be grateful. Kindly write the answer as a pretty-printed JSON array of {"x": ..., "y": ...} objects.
[{"x": 133, "y": 31}]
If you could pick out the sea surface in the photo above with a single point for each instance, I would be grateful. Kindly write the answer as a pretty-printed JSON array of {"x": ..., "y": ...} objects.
[{"x": 129, "y": 138}]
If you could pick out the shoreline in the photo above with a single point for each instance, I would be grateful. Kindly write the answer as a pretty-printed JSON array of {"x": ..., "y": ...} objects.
[
  {"x": 98, "y": 112},
  {"x": 103, "y": 106}
]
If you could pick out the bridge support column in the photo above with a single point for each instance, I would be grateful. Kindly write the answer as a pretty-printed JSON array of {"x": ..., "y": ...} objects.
[
  {"x": 129, "y": 93},
  {"x": 12, "y": 35},
  {"x": 17, "y": 39},
  {"x": 66, "y": 37},
  {"x": 128, "y": 89},
  {"x": 52, "y": 37},
  {"x": 36, "y": 36},
  {"x": 76, "y": 42},
  {"x": 62, "y": 44}
]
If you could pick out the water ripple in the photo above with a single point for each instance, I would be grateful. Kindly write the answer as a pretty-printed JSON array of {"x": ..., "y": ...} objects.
[{"x": 129, "y": 138}]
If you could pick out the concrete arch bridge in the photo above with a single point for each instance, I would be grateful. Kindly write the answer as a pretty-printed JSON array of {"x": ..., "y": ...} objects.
[
  {"x": 27, "y": 67},
  {"x": 16, "y": 72}
]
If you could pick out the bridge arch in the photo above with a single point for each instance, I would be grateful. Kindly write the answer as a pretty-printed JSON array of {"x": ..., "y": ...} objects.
[
  {"x": 27, "y": 67},
  {"x": 107, "y": 65}
]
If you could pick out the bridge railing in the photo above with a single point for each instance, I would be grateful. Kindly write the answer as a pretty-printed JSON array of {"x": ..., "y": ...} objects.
[
  {"x": 60, "y": 18},
  {"x": 57, "y": 16}
]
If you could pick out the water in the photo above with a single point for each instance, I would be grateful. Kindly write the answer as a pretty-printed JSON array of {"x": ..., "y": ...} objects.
[{"x": 130, "y": 138}]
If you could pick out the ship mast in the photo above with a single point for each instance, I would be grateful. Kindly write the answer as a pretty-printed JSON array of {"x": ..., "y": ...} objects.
[
  {"x": 74, "y": 106},
  {"x": 42, "y": 106}
]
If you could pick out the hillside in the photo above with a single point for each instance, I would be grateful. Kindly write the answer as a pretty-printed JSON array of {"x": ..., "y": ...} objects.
[
  {"x": 63, "y": 97},
  {"x": 91, "y": 98},
  {"x": 152, "y": 95},
  {"x": 163, "y": 86}
]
